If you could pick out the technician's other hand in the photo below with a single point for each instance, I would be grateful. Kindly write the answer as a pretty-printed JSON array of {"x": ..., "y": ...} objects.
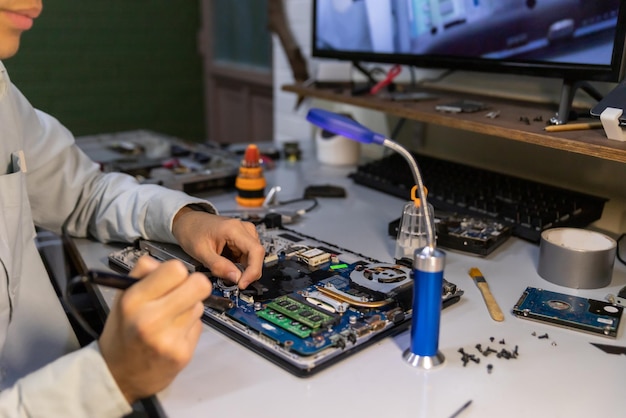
[
  {"x": 154, "y": 326},
  {"x": 218, "y": 242}
]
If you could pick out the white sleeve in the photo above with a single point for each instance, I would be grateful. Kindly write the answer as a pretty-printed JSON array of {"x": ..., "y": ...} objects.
[
  {"x": 76, "y": 385},
  {"x": 66, "y": 188}
]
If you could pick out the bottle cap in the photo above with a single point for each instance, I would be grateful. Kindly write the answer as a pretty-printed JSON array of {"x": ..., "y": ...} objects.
[{"x": 252, "y": 156}]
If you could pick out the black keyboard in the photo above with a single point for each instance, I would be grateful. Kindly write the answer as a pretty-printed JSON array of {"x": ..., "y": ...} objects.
[{"x": 527, "y": 206}]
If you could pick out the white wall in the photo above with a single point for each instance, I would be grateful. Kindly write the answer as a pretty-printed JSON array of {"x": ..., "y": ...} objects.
[
  {"x": 289, "y": 124},
  {"x": 569, "y": 170}
]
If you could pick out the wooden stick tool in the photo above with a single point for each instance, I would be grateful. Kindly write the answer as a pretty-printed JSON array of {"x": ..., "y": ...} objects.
[{"x": 492, "y": 305}]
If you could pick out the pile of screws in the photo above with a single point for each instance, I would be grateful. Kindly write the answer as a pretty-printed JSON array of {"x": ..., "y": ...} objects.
[
  {"x": 526, "y": 119},
  {"x": 488, "y": 351},
  {"x": 502, "y": 353}
]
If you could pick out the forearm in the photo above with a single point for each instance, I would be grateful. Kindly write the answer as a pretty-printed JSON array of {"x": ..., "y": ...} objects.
[
  {"x": 109, "y": 207},
  {"x": 67, "y": 189},
  {"x": 119, "y": 209},
  {"x": 76, "y": 385}
]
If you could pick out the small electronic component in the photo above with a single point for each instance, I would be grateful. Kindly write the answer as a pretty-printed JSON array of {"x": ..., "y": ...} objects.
[
  {"x": 313, "y": 257},
  {"x": 307, "y": 314},
  {"x": 317, "y": 298},
  {"x": 285, "y": 322},
  {"x": 360, "y": 328},
  {"x": 621, "y": 296},
  {"x": 219, "y": 303}
]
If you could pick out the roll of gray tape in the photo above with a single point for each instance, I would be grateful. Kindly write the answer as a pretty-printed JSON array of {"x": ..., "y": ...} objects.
[{"x": 576, "y": 258}]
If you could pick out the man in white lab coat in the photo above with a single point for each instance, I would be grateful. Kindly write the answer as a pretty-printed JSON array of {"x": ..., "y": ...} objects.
[{"x": 154, "y": 326}]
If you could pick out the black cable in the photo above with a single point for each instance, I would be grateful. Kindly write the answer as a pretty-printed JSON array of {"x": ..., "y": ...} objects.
[
  {"x": 262, "y": 211},
  {"x": 437, "y": 79},
  {"x": 71, "y": 284},
  {"x": 621, "y": 248},
  {"x": 301, "y": 199}
]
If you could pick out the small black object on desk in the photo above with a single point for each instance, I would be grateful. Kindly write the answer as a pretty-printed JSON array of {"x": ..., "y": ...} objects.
[{"x": 326, "y": 190}]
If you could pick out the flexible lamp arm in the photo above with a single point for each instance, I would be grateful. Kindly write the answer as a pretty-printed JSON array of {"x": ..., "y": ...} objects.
[{"x": 349, "y": 128}]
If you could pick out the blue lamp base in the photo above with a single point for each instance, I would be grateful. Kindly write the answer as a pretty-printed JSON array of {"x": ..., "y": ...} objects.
[{"x": 424, "y": 362}]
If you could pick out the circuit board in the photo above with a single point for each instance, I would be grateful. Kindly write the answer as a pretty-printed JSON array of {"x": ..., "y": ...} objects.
[{"x": 314, "y": 305}]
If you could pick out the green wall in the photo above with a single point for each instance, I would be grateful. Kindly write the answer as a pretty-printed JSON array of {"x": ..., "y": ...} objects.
[
  {"x": 107, "y": 66},
  {"x": 241, "y": 34}
]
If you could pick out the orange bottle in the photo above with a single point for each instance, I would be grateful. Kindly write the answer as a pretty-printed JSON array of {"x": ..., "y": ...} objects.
[{"x": 250, "y": 182}]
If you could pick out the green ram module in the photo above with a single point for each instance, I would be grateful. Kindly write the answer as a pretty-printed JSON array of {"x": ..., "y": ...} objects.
[
  {"x": 285, "y": 323},
  {"x": 301, "y": 312}
]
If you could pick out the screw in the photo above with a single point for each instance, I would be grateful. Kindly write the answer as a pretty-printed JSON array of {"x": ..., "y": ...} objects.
[
  {"x": 544, "y": 336},
  {"x": 489, "y": 368},
  {"x": 465, "y": 356},
  {"x": 465, "y": 360},
  {"x": 488, "y": 351}
]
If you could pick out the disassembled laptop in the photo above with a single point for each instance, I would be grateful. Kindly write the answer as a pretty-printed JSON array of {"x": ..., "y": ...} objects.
[{"x": 315, "y": 303}]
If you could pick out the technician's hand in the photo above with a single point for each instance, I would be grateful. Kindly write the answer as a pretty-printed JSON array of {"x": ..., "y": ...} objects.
[
  {"x": 218, "y": 242},
  {"x": 153, "y": 327}
]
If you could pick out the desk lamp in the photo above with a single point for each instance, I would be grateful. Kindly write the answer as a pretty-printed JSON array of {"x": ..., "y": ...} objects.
[{"x": 428, "y": 262}]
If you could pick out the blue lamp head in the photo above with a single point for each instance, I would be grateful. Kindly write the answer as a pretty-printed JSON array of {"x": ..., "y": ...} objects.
[{"x": 344, "y": 126}]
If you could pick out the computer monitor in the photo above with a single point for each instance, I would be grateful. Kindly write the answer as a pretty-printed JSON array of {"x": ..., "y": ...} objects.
[{"x": 574, "y": 40}]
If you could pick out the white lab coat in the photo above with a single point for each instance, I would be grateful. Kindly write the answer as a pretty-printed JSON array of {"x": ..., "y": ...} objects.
[{"x": 46, "y": 180}]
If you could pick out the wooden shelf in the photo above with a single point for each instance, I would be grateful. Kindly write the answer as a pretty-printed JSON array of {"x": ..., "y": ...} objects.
[{"x": 509, "y": 124}]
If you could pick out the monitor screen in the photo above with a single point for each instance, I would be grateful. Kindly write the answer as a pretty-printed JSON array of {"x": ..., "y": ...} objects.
[{"x": 568, "y": 39}]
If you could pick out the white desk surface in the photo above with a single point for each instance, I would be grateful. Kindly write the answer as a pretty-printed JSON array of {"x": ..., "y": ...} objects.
[{"x": 559, "y": 376}]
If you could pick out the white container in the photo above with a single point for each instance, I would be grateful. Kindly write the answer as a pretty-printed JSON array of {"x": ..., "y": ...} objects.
[{"x": 336, "y": 149}]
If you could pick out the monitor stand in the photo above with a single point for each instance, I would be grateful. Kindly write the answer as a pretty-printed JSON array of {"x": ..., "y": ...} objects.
[{"x": 567, "y": 97}]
